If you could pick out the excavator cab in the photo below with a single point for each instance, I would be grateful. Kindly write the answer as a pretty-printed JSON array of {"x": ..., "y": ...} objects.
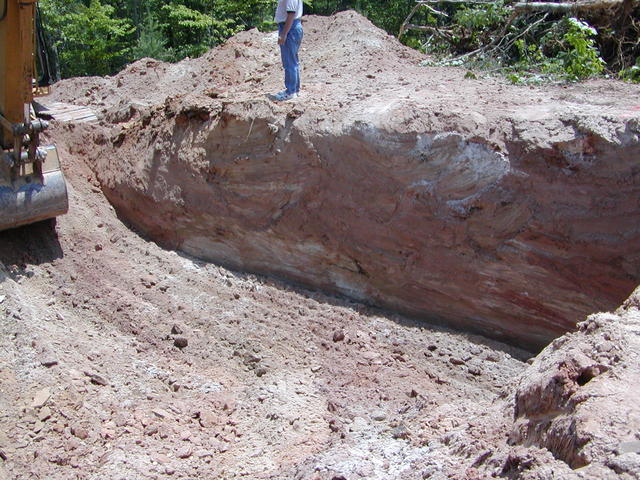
[{"x": 32, "y": 185}]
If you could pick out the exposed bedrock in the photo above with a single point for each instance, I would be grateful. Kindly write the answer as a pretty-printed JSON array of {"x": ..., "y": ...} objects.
[{"x": 515, "y": 226}]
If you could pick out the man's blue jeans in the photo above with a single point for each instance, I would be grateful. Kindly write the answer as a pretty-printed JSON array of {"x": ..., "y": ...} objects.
[{"x": 289, "y": 54}]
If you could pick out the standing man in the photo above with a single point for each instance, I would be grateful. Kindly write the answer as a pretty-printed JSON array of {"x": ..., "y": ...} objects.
[{"x": 287, "y": 17}]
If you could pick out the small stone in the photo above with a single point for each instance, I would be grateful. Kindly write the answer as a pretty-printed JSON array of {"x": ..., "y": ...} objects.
[
  {"x": 48, "y": 359},
  {"x": 261, "y": 371},
  {"x": 148, "y": 281},
  {"x": 184, "y": 452},
  {"x": 44, "y": 414},
  {"x": 358, "y": 424},
  {"x": 370, "y": 355},
  {"x": 492, "y": 357},
  {"x": 180, "y": 342},
  {"x": 37, "y": 426},
  {"x": 96, "y": 379},
  {"x": 208, "y": 419},
  {"x": 334, "y": 426},
  {"x": 379, "y": 416},
  {"x": 169, "y": 470},
  {"x": 158, "y": 412},
  {"x": 338, "y": 336},
  {"x": 2, "y": 298},
  {"x": 98, "y": 247},
  {"x": 456, "y": 361},
  {"x": 413, "y": 393},
  {"x": 474, "y": 371},
  {"x": 176, "y": 330},
  {"x": 107, "y": 433},
  {"x": 251, "y": 359},
  {"x": 185, "y": 435},
  {"x": 400, "y": 432},
  {"x": 160, "y": 458},
  {"x": 151, "y": 429},
  {"x": 41, "y": 398},
  {"x": 629, "y": 447},
  {"x": 79, "y": 432}
]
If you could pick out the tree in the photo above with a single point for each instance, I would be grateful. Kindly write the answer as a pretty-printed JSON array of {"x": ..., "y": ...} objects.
[
  {"x": 191, "y": 32},
  {"x": 151, "y": 42},
  {"x": 89, "y": 38}
]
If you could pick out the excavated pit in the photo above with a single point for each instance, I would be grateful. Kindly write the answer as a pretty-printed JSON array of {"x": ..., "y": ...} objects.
[{"x": 508, "y": 211}]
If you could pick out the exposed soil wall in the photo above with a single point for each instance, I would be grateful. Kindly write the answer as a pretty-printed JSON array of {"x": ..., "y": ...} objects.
[{"x": 511, "y": 211}]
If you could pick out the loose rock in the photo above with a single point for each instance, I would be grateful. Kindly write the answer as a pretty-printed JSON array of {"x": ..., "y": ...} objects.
[
  {"x": 185, "y": 452},
  {"x": 180, "y": 342},
  {"x": 41, "y": 398},
  {"x": 96, "y": 379}
]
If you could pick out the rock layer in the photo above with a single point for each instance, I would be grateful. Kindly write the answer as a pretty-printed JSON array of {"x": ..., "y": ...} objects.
[{"x": 512, "y": 221}]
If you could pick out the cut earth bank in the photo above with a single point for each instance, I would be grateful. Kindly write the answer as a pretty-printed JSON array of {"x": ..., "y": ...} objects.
[
  {"x": 275, "y": 383},
  {"x": 507, "y": 210}
]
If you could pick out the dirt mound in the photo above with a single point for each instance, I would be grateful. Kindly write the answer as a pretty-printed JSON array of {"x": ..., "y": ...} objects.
[
  {"x": 248, "y": 65},
  {"x": 125, "y": 360}
]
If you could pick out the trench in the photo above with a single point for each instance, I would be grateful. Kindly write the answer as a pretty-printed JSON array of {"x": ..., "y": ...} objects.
[{"x": 516, "y": 239}]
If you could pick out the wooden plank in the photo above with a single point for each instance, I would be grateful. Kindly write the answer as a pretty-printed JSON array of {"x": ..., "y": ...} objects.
[{"x": 66, "y": 112}]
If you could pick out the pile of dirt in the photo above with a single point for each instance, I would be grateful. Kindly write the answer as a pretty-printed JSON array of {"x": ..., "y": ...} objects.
[{"x": 122, "y": 359}]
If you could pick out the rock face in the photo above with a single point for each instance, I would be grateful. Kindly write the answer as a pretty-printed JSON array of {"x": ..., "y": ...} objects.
[
  {"x": 579, "y": 397},
  {"x": 501, "y": 209}
]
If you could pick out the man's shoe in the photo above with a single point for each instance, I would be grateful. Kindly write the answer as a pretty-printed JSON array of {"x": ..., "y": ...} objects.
[{"x": 284, "y": 96}]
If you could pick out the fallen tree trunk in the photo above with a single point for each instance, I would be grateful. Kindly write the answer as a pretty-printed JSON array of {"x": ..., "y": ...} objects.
[{"x": 565, "y": 6}]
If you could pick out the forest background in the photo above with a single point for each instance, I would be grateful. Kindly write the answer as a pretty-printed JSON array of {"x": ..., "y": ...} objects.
[{"x": 100, "y": 37}]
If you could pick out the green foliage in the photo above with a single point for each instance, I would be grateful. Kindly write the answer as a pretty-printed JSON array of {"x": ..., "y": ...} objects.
[
  {"x": 581, "y": 58},
  {"x": 632, "y": 73},
  {"x": 247, "y": 13},
  {"x": 531, "y": 49},
  {"x": 89, "y": 39},
  {"x": 191, "y": 32},
  {"x": 566, "y": 52},
  {"x": 99, "y": 37},
  {"x": 475, "y": 25},
  {"x": 151, "y": 42}
]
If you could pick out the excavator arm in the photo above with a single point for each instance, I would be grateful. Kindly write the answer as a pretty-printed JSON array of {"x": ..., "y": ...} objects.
[{"x": 32, "y": 186}]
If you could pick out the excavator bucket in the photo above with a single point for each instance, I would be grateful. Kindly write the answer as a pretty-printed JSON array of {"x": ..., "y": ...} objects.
[
  {"x": 30, "y": 198},
  {"x": 32, "y": 187}
]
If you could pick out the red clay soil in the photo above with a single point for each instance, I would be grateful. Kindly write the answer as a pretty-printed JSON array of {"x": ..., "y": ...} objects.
[
  {"x": 121, "y": 359},
  {"x": 490, "y": 207}
]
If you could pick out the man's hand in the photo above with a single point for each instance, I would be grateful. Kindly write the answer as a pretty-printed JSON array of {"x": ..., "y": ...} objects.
[{"x": 287, "y": 26}]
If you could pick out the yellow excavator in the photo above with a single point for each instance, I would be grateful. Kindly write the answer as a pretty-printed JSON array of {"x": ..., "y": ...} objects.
[{"x": 32, "y": 185}]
